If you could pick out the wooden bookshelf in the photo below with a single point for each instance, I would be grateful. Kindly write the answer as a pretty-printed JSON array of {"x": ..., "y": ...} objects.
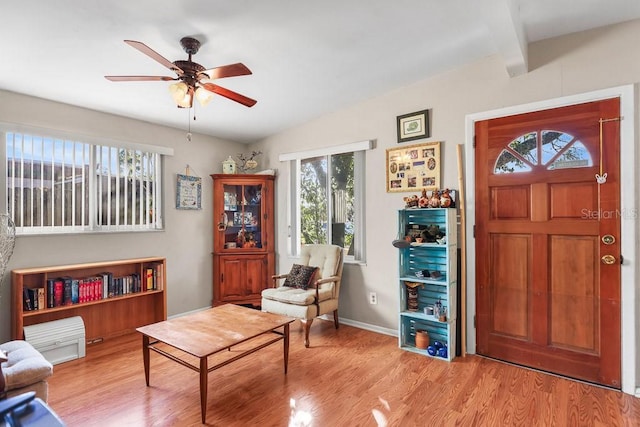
[{"x": 103, "y": 318}]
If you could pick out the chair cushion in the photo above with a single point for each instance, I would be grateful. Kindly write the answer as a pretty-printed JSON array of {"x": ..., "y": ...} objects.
[
  {"x": 300, "y": 276},
  {"x": 296, "y": 296}
]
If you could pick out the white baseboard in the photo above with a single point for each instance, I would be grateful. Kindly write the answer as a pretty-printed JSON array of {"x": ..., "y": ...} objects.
[
  {"x": 188, "y": 312},
  {"x": 361, "y": 325}
]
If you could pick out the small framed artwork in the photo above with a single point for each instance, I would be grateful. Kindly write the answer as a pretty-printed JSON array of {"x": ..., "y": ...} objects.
[
  {"x": 413, "y": 126},
  {"x": 413, "y": 168},
  {"x": 189, "y": 192}
]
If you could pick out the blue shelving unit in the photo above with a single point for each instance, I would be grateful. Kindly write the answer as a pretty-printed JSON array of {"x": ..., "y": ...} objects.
[{"x": 433, "y": 288}]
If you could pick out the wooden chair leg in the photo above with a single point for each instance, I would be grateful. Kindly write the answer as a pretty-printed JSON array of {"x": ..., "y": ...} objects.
[
  {"x": 306, "y": 323},
  {"x": 335, "y": 318}
]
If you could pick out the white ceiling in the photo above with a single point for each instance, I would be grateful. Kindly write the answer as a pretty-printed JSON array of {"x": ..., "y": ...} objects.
[{"x": 308, "y": 58}]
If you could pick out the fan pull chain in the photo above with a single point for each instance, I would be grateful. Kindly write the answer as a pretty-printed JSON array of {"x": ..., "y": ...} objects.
[{"x": 189, "y": 135}]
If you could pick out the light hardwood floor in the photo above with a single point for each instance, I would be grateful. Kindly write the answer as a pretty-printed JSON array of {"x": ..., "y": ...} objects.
[{"x": 341, "y": 380}]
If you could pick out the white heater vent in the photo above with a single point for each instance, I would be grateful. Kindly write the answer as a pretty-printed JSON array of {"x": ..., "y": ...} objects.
[{"x": 59, "y": 340}]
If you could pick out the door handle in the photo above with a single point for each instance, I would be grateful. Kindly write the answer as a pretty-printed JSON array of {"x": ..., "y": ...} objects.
[{"x": 608, "y": 259}]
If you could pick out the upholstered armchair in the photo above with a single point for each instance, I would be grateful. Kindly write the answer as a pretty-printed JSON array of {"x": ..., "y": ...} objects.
[{"x": 310, "y": 289}]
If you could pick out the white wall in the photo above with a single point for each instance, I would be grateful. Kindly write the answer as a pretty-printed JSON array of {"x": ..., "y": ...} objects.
[
  {"x": 185, "y": 242},
  {"x": 559, "y": 67}
]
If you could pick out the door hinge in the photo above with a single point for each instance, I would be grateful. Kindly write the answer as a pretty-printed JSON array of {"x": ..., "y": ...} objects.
[
  {"x": 474, "y": 231},
  {"x": 474, "y": 141},
  {"x": 474, "y": 322},
  {"x": 221, "y": 277}
]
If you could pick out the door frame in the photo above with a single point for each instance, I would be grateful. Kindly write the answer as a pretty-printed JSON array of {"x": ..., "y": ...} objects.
[{"x": 628, "y": 206}]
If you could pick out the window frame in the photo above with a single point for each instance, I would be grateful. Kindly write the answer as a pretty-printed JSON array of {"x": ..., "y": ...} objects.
[
  {"x": 95, "y": 144},
  {"x": 294, "y": 222}
]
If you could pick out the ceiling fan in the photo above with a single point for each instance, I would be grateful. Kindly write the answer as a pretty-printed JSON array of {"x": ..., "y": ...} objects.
[{"x": 193, "y": 80}]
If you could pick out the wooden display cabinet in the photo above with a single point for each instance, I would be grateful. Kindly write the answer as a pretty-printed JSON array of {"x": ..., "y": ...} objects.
[
  {"x": 243, "y": 233},
  {"x": 105, "y": 317}
]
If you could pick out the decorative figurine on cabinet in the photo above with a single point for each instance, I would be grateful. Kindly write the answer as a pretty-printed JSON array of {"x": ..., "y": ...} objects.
[
  {"x": 445, "y": 198},
  {"x": 423, "y": 201},
  {"x": 411, "y": 201},
  {"x": 229, "y": 166},
  {"x": 434, "y": 201}
]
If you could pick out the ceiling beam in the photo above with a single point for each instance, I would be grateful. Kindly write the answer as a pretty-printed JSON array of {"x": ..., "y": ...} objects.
[{"x": 503, "y": 20}]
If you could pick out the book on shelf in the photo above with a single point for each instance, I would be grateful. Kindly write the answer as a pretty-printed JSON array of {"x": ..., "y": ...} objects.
[
  {"x": 50, "y": 293},
  {"x": 75, "y": 291},
  {"x": 154, "y": 276},
  {"x": 58, "y": 292},
  {"x": 149, "y": 279},
  {"x": 41, "y": 298},
  {"x": 66, "y": 291},
  {"x": 27, "y": 305},
  {"x": 159, "y": 275}
]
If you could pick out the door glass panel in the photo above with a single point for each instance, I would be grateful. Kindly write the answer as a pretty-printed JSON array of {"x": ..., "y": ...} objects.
[
  {"x": 508, "y": 163},
  {"x": 552, "y": 143},
  {"x": 526, "y": 145},
  {"x": 242, "y": 214},
  {"x": 567, "y": 151},
  {"x": 576, "y": 156}
]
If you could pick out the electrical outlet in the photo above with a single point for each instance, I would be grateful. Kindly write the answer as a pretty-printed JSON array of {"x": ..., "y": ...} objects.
[{"x": 373, "y": 298}]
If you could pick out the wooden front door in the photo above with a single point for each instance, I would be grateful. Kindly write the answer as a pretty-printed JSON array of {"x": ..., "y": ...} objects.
[{"x": 548, "y": 240}]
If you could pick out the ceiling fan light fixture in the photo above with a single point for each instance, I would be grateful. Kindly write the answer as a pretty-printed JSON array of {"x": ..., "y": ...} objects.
[
  {"x": 181, "y": 94},
  {"x": 203, "y": 96}
]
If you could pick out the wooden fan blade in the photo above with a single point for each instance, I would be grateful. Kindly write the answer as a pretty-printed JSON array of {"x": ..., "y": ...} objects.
[
  {"x": 230, "y": 70},
  {"x": 139, "y": 78},
  {"x": 234, "y": 96},
  {"x": 154, "y": 55}
]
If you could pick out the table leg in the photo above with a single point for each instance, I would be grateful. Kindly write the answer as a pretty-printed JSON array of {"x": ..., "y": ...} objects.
[
  {"x": 204, "y": 371},
  {"x": 145, "y": 357},
  {"x": 286, "y": 347}
]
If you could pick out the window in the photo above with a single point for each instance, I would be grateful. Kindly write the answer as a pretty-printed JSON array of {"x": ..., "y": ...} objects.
[
  {"x": 327, "y": 198},
  {"x": 56, "y": 185},
  {"x": 557, "y": 150}
]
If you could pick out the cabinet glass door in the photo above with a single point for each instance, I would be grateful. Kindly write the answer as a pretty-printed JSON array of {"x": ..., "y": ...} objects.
[{"x": 242, "y": 216}]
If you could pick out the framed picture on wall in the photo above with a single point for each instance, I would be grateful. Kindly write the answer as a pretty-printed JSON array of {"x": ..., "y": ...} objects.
[
  {"x": 413, "y": 126},
  {"x": 189, "y": 192},
  {"x": 413, "y": 167}
]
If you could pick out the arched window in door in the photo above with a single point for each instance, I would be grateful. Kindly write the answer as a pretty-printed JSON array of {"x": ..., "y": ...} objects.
[{"x": 546, "y": 149}]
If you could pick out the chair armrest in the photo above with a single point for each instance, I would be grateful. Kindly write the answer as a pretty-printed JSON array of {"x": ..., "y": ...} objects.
[
  {"x": 326, "y": 280},
  {"x": 276, "y": 277},
  {"x": 330, "y": 279}
]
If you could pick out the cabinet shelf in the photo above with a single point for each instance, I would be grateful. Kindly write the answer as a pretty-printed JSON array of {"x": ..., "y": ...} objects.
[
  {"x": 431, "y": 292},
  {"x": 35, "y": 313},
  {"x": 103, "y": 318},
  {"x": 427, "y": 317},
  {"x": 416, "y": 279}
]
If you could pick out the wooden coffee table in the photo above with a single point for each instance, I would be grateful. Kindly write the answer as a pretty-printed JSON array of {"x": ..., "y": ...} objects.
[{"x": 212, "y": 331}]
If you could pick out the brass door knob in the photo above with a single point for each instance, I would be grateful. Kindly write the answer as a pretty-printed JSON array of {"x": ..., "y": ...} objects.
[
  {"x": 608, "y": 259},
  {"x": 608, "y": 239}
]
